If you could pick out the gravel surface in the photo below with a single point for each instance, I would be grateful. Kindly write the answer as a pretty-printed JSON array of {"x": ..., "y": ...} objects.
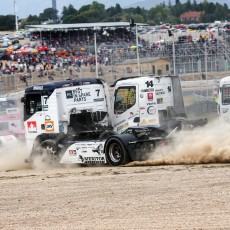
[
  {"x": 145, "y": 197},
  {"x": 184, "y": 186}
]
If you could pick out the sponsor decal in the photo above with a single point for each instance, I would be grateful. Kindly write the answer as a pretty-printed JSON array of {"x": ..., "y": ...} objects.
[
  {"x": 80, "y": 96},
  {"x": 72, "y": 152},
  {"x": 150, "y": 96},
  {"x": 151, "y": 110},
  {"x": 150, "y": 103},
  {"x": 119, "y": 123},
  {"x": 98, "y": 99},
  {"x": 152, "y": 121},
  {"x": 67, "y": 85},
  {"x": 38, "y": 87},
  {"x": 160, "y": 100},
  {"x": 11, "y": 111},
  {"x": 47, "y": 118},
  {"x": 12, "y": 116},
  {"x": 44, "y": 103},
  {"x": 147, "y": 90},
  {"x": 49, "y": 126},
  {"x": 143, "y": 122},
  {"x": 86, "y": 83},
  {"x": 69, "y": 94},
  {"x": 124, "y": 126},
  {"x": 132, "y": 115},
  {"x": 160, "y": 92},
  {"x": 32, "y": 126},
  {"x": 91, "y": 160}
]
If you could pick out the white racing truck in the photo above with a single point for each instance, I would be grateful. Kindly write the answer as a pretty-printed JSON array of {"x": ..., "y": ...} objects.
[
  {"x": 223, "y": 107},
  {"x": 11, "y": 128},
  {"x": 74, "y": 121}
]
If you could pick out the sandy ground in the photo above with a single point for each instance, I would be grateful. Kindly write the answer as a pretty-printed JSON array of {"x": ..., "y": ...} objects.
[
  {"x": 184, "y": 186},
  {"x": 151, "y": 197}
]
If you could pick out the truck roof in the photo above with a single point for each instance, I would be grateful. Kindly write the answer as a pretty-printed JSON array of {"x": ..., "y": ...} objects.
[
  {"x": 135, "y": 79},
  {"x": 51, "y": 86}
]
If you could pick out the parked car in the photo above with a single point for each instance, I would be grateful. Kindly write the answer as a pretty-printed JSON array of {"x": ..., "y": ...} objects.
[
  {"x": 11, "y": 37},
  {"x": 5, "y": 44},
  {"x": 21, "y": 37}
]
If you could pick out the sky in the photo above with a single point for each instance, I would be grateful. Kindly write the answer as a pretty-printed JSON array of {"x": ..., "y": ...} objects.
[{"x": 35, "y": 7}]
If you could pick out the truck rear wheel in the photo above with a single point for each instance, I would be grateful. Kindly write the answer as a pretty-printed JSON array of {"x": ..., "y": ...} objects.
[
  {"x": 115, "y": 152},
  {"x": 48, "y": 152}
]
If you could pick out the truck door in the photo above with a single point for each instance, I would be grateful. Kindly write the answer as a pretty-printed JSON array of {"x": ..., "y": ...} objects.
[
  {"x": 125, "y": 107},
  {"x": 148, "y": 103}
]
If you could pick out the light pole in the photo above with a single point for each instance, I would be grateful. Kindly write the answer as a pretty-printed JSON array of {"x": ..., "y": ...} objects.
[
  {"x": 132, "y": 24},
  {"x": 138, "y": 59},
  {"x": 16, "y": 16},
  {"x": 174, "y": 58},
  {"x": 174, "y": 53},
  {"x": 95, "y": 47}
]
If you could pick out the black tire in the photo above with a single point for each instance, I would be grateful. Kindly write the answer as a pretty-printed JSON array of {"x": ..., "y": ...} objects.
[
  {"x": 115, "y": 152},
  {"x": 48, "y": 152}
]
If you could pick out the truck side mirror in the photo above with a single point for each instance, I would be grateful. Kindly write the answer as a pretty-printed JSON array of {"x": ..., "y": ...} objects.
[
  {"x": 136, "y": 120},
  {"x": 22, "y": 99}
]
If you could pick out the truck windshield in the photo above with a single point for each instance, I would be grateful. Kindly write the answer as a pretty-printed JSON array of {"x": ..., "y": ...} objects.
[
  {"x": 226, "y": 94},
  {"x": 125, "y": 98},
  {"x": 33, "y": 104}
]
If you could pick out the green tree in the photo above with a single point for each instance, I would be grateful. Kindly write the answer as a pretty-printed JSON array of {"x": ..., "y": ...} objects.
[
  {"x": 7, "y": 22},
  {"x": 84, "y": 9},
  {"x": 118, "y": 9},
  {"x": 46, "y": 14},
  {"x": 75, "y": 19},
  {"x": 70, "y": 10},
  {"x": 159, "y": 14},
  {"x": 98, "y": 9},
  {"x": 188, "y": 5},
  {"x": 219, "y": 12}
]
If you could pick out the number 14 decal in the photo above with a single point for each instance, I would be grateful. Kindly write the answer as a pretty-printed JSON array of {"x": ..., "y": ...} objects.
[{"x": 149, "y": 83}]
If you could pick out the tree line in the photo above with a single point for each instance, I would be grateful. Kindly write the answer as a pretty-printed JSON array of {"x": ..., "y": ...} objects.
[{"x": 96, "y": 12}]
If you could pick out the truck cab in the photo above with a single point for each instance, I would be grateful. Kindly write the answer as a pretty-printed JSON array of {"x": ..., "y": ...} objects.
[
  {"x": 66, "y": 106},
  {"x": 224, "y": 99},
  {"x": 144, "y": 101}
]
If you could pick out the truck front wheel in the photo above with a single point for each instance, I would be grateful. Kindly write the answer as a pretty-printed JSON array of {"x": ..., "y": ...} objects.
[
  {"x": 48, "y": 151},
  {"x": 115, "y": 152}
]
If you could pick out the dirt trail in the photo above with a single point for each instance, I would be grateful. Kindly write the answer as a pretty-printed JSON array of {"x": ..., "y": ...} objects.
[
  {"x": 159, "y": 197},
  {"x": 173, "y": 190}
]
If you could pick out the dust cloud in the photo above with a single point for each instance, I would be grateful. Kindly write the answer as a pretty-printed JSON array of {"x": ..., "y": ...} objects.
[
  {"x": 206, "y": 145},
  {"x": 12, "y": 157}
]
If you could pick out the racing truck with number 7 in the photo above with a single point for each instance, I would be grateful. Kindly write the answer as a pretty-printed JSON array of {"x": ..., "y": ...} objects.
[{"x": 77, "y": 121}]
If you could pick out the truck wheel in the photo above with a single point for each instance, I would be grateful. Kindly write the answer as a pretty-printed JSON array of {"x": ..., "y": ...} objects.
[
  {"x": 48, "y": 151},
  {"x": 115, "y": 152}
]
